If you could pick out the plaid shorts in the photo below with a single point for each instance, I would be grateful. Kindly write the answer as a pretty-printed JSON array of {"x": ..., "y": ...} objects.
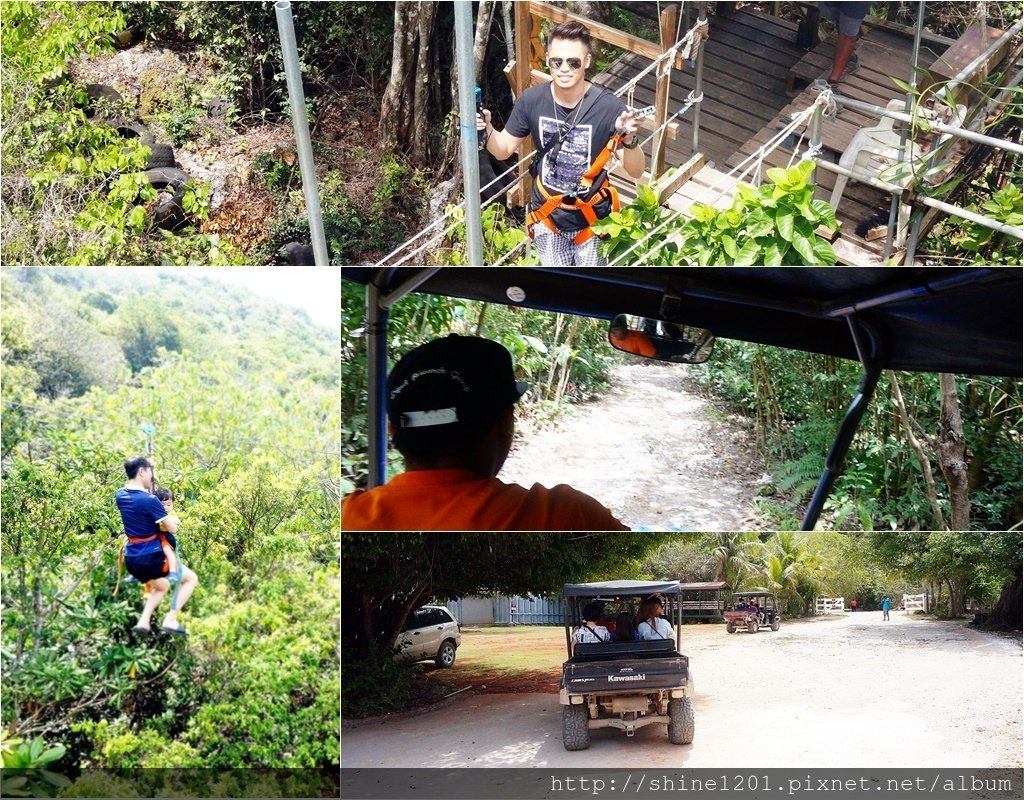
[{"x": 559, "y": 250}]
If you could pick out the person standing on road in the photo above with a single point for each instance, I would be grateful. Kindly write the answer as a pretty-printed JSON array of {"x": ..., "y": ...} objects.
[
  {"x": 650, "y": 624},
  {"x": 853, "y": 605},
  {"x": 885, "y": 607}
]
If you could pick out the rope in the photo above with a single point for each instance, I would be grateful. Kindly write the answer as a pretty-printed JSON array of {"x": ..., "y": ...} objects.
[
  {"x": 749, "y": 162},
  {"x": 698, "y": 31}
]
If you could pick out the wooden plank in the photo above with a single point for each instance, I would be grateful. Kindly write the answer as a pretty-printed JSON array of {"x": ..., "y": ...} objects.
[
  {"x": 672, "y": 180},
  {"x": 968, "y": 47},
  {"x": 598, "y": 30},
  {"x": 666, "y": 31}
]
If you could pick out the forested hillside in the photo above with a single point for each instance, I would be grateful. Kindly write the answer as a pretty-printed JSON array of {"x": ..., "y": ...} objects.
[{"x": 238, "y": 399}]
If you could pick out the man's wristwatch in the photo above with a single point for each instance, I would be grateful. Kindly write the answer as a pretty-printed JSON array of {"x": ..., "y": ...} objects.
[{"x": 634, "y": 143}]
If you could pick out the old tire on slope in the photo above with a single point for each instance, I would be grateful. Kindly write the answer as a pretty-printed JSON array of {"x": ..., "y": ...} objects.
[
  {"x": 129, "y": 129},
  {"x": 446, "y": 654},
  {"x": 169, "y": 213},
  {"x": 161, "y": 155},
  {"x": 681, "y": 722},
  {"x": 575, "y": 731}
]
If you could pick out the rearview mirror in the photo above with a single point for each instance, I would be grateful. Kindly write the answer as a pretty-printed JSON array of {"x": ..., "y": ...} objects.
[{"x": 660, "y": 340}]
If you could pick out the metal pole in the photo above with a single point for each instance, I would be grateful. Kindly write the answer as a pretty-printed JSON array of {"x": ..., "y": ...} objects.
[
  {"x": 963, "y": 133},
  {"x": 903, "y": 152},
  {"x": 377, "y": 374},
  {"x": 698, "y": 76},
  {"x": 300, "y": 123},
  {"x": 955, "y": 211},
  {"x": 467, "y": 130}
]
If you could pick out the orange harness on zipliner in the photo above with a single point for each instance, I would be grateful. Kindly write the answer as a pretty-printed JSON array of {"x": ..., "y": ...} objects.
[
  {"x": 583, "y": 198},
  {"x": 137, "y": 540}
]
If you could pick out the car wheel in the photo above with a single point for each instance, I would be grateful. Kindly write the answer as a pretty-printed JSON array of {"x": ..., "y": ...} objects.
[
  {"x": 752, "y": 626},
  {"x": 775, "y": 625},
  {"x": 161, "y": 155},
  {"x": 446, "y": 655},
  {"x": 681, "y": 722},
  {"x": 169, "y": 213},
  {"x": 730, "y": 627},
  {"x": 575, "y": 727}
]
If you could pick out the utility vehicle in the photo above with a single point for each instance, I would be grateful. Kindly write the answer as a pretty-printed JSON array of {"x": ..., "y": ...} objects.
[
  {"x": 623, "y": 684},
  {"x": 923, "y": 319},
  {"x": 753, "y": 611}
]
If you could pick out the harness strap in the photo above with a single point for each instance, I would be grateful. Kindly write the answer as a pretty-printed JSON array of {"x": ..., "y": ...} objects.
[{"x": 572, "y": 201}]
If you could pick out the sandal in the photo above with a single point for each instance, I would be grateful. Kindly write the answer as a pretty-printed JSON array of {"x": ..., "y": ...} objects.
[
  {"x": 177, "y": 631},
  {"x": 144, "y": 632}
]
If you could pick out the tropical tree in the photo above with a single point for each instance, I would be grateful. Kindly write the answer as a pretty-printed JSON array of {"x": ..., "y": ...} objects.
[{"x": 737, "y": 557}]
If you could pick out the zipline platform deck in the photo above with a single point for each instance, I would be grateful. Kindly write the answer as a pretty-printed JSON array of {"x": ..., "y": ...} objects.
[{"x": 750, "y": 59}]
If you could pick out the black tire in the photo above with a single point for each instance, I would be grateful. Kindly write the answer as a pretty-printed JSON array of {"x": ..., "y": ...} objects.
[
  {"x": 730, "y": 627},
  {"x": 129, "y": 129},
  {"x": 775, "y": 625},
  {"x": 575, "y": 728},
  {"x": 299, "y": 255},
  {"x": 169, "y": 213},
  {"x": 681, "y": 721},
  {"x": 161, "y": 155},
  {"x": 752, "y": 626},
  {"x": 446, "y": 654},
  {"x": 100, "y": 91}
]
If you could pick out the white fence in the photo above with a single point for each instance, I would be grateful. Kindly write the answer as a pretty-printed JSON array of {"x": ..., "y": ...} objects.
[
  {"x": 915, "y": 602},
  {"x": 829, "y": 605}
]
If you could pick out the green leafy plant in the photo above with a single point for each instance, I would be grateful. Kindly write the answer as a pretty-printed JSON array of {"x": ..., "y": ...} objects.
[
  {"x": 772, "y": 225},
  {"x": 25, "y": 763}
]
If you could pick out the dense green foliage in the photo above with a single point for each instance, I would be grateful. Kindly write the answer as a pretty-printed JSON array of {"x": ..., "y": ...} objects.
[
  {"x": 243, "y": 396},
  {"x": 797, "y": 400}
]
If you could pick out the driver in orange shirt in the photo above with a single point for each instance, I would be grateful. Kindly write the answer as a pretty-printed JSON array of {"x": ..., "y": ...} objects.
[{"x": 451, "y": 415}]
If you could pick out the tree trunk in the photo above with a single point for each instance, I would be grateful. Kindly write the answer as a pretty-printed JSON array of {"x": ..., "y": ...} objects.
[
  {"x": 952, "y": 453},
  {"x": 1008, "y": 610},
  {"x": 926, "y": 468},
  {"x": 409, "y": 96},
  {"x": 484, "y": 15}
]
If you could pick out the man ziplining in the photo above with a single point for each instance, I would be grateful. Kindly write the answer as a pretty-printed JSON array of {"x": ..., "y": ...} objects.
[
  {"x": 149, "y": 528},
  {"x": 578, "y": 127}
]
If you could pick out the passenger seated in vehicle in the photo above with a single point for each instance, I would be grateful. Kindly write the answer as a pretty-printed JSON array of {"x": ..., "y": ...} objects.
[
  {"x": 625, "y": 630},
  {"x": 742, "y": 604},
  {"x": 650, "y": 624},
  {"x": 590, "y": 632},
  {"x": 451, "y": 413}
]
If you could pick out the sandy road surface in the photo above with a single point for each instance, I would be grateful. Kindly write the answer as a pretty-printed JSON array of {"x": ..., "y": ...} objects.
[
  {"x": 841, "y": 691},
  {"x": 652, "y": 450}
]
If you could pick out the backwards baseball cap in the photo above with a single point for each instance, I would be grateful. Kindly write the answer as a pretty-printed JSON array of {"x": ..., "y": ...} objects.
[{"x": 452, "y": 380}]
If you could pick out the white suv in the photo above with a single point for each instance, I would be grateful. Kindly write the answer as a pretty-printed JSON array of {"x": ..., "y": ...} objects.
[{"x": 430, "y": 632}]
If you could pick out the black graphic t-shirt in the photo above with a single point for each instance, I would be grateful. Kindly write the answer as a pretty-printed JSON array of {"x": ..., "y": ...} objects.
[{"x": 536, "y": 114}]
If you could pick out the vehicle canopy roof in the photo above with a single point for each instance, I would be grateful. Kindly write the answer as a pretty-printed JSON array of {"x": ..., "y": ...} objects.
[
  {"x": 753, "y": 594},
  {"x": 619, "y": 588},
  {"x": 927, "y": 319}
]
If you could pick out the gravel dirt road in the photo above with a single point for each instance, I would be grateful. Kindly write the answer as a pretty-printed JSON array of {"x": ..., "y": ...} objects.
[
  {"x": 842, "y": 691},
  {"x": 652, "y": 450}
]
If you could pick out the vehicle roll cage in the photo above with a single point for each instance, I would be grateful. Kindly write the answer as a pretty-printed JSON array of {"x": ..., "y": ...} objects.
[{"x": 387, "y": 285}]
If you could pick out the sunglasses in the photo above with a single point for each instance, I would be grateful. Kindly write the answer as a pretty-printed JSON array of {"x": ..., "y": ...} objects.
[{"x": 573, "y": 63}]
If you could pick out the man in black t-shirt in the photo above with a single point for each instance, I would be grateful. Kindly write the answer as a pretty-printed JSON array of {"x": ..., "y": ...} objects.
[{"x": 578, "y": 119}]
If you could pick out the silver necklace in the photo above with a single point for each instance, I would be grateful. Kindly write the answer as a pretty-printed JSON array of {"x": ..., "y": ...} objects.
[{"x": 571, "y": 118}]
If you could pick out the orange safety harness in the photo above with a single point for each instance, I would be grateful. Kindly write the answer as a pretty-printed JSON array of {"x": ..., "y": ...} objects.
[
  {"x": 583, "y": 197},
  {"x": 137, "y": 540}
]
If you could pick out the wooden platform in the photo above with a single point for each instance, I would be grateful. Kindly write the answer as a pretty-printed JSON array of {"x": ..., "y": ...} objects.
[{"x": 747, "y": 62}]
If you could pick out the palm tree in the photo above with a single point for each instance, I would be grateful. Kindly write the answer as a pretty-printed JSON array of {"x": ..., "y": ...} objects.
[
  {"x": 794, "y": 571},
  {"x": 736, "y": 556}
]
